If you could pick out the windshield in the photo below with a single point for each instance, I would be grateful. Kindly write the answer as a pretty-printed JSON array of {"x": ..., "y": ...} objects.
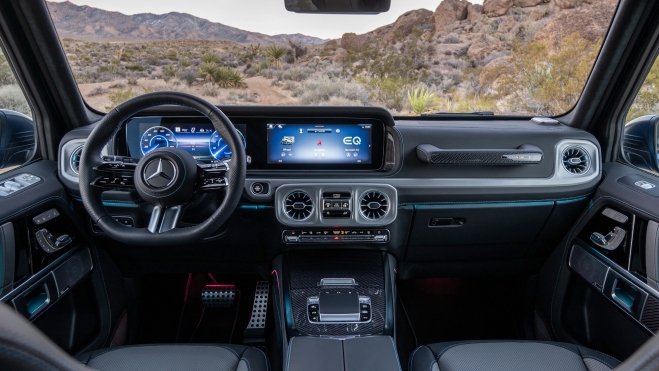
[{"x": 521, "y": 57}]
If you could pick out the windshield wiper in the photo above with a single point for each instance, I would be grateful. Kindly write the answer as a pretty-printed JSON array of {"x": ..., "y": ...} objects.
[{"x": 478, "y": 113}]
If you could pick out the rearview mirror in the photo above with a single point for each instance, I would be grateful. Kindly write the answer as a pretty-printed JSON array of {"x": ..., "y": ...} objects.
[
  {"x": 338, "y": 6},
  {"x": 639, "y": 143}
]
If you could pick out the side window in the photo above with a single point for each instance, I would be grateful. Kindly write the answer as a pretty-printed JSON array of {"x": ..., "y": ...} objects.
[{"x": 17, "y": 130}]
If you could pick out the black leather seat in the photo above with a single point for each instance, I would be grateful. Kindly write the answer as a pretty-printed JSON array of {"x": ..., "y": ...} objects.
[
  {"x": 23, "y": 347},
  {"x": 509, "y": 356}
]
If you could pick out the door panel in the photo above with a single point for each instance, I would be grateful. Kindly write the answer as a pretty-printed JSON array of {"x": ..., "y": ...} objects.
[
  {"x": 599, "y": 288},
  {"x": 57, "y": 288}
]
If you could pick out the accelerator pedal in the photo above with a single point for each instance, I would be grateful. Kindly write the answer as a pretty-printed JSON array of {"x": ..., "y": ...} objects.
[
  {"x": 255, "y": 331},
  {"x": 218, "y": 296}
]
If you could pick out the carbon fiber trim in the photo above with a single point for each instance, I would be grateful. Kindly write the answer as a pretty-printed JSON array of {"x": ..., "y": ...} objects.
[
  {"x": 650, "y": 316},
  {"x": 307, "y": 269}
]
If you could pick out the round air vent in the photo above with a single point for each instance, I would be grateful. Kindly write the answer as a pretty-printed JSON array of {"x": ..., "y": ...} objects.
[
  {"x": 74, "y": 159},
  {"x": 373, "y": 205},
  {"x": 298, "y": 205},
  {"x": 576, "y": 160}
]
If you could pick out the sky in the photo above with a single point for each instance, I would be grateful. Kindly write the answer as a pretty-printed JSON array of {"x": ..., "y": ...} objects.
[{"x": 266, "y": 16}]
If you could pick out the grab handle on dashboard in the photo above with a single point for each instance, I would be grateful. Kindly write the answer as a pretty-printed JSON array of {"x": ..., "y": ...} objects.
[{"x": 524, "y": 154}]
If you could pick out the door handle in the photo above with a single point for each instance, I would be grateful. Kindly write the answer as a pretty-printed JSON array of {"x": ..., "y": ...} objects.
[{"x": 611, "y": 241}]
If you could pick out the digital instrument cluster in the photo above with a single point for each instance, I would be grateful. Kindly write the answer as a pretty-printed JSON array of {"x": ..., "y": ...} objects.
[{"x": 202, "y": 141}]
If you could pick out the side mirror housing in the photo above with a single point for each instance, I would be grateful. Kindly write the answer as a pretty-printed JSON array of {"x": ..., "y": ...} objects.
[
  {"x": 17, "y": 138},
  {"x": 639, "y": 143}
]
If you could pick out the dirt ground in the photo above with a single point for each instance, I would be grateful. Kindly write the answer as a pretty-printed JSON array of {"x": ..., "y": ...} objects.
[{"x": 258, "y": 88}]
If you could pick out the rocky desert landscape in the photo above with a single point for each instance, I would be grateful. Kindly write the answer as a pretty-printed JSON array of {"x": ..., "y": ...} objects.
[{"x": 522, "y": 57}]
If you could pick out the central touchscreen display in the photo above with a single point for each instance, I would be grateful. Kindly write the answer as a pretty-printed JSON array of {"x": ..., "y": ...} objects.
[{"x": 319, "y": 144}]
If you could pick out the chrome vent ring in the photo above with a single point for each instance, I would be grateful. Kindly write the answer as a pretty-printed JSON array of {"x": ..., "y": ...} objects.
[
  {"x": 298, "y": 205},
  {"x": 373, "y": 205},
  {"x": 576, "y": 160},
  {"x": 74, "y": 159}
]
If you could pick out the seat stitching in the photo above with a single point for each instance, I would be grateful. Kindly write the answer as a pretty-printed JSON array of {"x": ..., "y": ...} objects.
[
  {"x": 17, "y": 353},
  {"x": 599, "y": 360},
  {"x": 434, "y": 363},
  {"x": 409, "y": 366},
  {"x": 396, "y": 352},
  {"x": 267, "y": 364},
  {"x": 249, "y": 367}
]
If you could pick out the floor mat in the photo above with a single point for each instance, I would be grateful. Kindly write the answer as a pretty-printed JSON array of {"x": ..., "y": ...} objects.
[
  {"x": 453, "y": 309},
  {"x": 170, "y": 309}
]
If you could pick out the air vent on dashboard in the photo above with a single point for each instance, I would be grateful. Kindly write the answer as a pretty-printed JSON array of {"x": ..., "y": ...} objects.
[
  {"x": 373, "y": 205},
  {"x": 576, "y": 160},
  {"x": 74, "y": 159},
  {"x": 298, "y": 205}
]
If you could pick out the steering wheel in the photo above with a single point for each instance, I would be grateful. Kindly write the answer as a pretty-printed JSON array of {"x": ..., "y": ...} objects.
[{"x": 167, "y": 178}]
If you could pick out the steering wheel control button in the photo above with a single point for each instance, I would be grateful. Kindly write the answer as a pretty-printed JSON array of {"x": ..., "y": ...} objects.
[
  {"x": 114, "y": 182},
  {"x": 159, "y": 173},
  {"x": 260, "y": 188}
]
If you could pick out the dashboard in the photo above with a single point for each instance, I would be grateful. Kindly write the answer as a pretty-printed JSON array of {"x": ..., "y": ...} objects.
[{"x": 271, "y": 143}]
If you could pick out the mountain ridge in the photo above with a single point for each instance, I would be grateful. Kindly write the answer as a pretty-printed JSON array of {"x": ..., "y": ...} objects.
[{"x": 85, "y": 22}]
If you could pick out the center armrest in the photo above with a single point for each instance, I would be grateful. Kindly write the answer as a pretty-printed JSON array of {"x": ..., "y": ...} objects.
[{"x": 374, "y": 353}]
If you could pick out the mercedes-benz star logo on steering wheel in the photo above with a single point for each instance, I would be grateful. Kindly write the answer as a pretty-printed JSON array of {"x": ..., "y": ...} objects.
[{"x": 159, "y": 173}]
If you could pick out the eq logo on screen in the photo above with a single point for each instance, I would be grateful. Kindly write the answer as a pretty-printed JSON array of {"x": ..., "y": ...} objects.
[{"x": 352, "y": 141}]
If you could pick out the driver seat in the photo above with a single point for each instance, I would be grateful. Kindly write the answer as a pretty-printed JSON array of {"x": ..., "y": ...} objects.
[{"x": 24, "y": 347}]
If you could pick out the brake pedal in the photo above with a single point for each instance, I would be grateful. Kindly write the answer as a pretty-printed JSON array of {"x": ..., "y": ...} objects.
[
  {"x": 218, "y": 296},
  {"x": 255, "y": 331}
]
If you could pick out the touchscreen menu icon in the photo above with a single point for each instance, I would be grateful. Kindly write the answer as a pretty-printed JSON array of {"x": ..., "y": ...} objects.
[{"x": 288, "y": 140}]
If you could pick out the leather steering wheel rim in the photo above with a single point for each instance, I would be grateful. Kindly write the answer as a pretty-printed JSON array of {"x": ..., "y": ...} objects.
[{"x": 106, "y": 130}]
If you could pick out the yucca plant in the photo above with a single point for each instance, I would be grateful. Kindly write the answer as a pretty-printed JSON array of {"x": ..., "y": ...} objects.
[
  {"x": 207, "y": 70},
  {"x": 419, "y": 99},
  {"x": 170, "y": 71},
  {"x": 275, "y": 53},
  {"x": 226, "y": 77}
]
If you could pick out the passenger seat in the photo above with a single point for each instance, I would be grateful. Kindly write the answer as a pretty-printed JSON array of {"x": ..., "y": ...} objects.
[{"x": 509, "y": 355}]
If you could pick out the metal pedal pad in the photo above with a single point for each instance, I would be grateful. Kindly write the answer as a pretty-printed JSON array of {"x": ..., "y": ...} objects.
[
  {"x": 218, "y": 296},
  {"x": 255, "y": 331}
]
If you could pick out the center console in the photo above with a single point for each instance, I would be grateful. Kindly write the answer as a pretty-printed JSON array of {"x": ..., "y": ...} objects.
[{"x": 338, "y": 309}]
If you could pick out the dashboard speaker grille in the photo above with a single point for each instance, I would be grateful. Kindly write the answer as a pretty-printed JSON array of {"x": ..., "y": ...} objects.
[
  {"x": 373, "y": 205},
  {"x": 576, "y": 160},
  {"x": 298, "y": 205},
  {"x": 74, "y": 159}
]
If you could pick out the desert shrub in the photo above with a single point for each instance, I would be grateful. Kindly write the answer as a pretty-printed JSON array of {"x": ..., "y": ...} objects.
[
  {"x": 185, "y": 62},
  {"x": 297, "y": 74},
  {"x": 289, "y": 85},
  {"x": 172, "y": 55},
  {"x": 12, "y": 98},
  {"x": 315, "y": 92},
  {"x": 210, "y": 90},
  {"x": 169, "y": 71},
  {"x": 452, "y": 39},
  {"x": 543, "y": 83},
  {"x": 250, "y": 72},
  {"x": 188, "y": 76},
  {"x": 210, "y": 58},
  {"x": 134, "y": 67},
  {"x": 131, "y": 80},
  {"x": 241, "y": 96},
  {"x": 119, "y": 96},
  {"x": 110, "y": 68},
  {"x": 117, "y": 85},
  {"x": 419, "y": 99},
  {"x": 466, "y": 103},
  {"x": 389, "y": 90},
  {"x": 6, "y": 74},
  {"x": 647, "y": 100},
  {"x": 99, "y": 90}
]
